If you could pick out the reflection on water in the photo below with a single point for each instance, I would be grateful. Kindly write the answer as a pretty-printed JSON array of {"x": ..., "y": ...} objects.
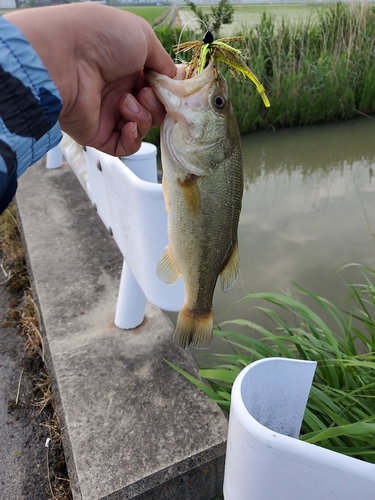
[{"x": 308, "y": 198}]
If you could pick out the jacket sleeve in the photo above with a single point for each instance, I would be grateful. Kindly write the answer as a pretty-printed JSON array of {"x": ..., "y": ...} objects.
[{"x": 30, "y": 105}]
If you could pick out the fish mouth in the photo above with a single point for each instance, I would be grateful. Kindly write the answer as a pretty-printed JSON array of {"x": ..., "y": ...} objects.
[
  {"x": 179, "y": 93},
  {"x": 186, "y": 101}
]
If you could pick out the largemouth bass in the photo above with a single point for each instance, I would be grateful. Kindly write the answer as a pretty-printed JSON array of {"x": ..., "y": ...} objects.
[{"x": 203, "y": 185}]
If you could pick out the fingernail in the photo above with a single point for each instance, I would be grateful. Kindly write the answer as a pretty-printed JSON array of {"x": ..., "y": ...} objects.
[
  {"x": 151, "y": 99},
  {"x": 131, "y": 103},
  {"x": 135, "y": 131}
]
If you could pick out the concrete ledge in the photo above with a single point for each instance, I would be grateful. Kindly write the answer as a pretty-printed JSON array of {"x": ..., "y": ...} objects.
[{"x": 132, "y": 427}]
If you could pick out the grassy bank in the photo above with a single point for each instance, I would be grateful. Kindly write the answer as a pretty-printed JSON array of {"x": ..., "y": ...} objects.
[
  {"x": 341, "y": 407},
  {"x": 314, "y": 70}
]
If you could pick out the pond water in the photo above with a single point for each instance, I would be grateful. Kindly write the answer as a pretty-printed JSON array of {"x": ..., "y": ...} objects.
[{"x": 308, "y": 204}]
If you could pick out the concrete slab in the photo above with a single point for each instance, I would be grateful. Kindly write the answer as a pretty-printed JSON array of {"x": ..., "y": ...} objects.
[{"x": 132, "y": 427}]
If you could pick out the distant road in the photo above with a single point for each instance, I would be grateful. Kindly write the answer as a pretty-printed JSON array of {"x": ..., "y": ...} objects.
[{"x": 170, "y": 17}]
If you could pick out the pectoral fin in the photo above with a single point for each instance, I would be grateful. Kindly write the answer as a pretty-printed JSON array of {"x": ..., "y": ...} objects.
[
  {"x": 191, "y": 194},
  {"x": 166, "y": 269},
  {"x": 230, "y": 272}
]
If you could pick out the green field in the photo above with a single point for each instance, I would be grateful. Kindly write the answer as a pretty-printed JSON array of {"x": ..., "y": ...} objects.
[
  {"x": 292, "y": 12},
  {"x": 246, "y": 16},
  {"x": 149, "y": 13}
]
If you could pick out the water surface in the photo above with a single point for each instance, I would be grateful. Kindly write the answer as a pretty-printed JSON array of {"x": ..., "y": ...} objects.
[{"x": 308, "y": 205}]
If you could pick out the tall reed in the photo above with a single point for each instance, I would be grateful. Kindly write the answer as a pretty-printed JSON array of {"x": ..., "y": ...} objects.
[
  {"x": 321, "y": 70},
  {"x": 315, "y": 70}
]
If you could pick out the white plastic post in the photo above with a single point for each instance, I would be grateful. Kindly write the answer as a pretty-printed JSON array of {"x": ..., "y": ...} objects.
[
  {"x": 143, "y": 162},
  {"x": 264, "y": 461},
  {"x": 54, "y": 158},
  {"x": 130, "y": 203},
  {"x": 131, "y": 301},
  {"x": 134, "y": 211}
]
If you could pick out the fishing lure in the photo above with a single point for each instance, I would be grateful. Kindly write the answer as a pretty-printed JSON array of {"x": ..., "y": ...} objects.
[{"x": 219, "y": 50}]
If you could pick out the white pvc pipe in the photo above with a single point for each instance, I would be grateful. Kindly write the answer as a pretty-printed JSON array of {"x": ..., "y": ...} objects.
[
  {"x": 54, "y": 158},
  {"x": 264, "y": 460},
  {"x": 131, "y": 301}
]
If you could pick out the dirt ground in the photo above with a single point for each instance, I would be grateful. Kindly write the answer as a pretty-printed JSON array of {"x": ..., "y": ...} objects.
[
  {"x": 29, "y": 470},
  {"x": 23, "y": 455}
]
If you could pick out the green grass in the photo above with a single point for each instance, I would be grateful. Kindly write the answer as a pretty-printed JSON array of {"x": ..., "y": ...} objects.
[
  {"x": 149, "y": 13},
  {"x": 317, "y": 68},
  {"x": 340, "y": 412},
  {"x": 312, "y": 71}
]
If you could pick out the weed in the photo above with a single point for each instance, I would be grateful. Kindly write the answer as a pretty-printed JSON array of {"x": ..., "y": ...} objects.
[{"x": 340, "y": 413}]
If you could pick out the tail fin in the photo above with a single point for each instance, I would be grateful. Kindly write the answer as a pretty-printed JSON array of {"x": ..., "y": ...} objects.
[{"x": 193, "y": 330}]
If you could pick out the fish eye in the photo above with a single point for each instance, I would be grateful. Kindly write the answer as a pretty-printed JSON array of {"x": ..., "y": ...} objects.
[{"x": 219, "y": 101}]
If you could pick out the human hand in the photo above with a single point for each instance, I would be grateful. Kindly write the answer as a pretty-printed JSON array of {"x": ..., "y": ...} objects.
[{"x": 95, "y": 55}]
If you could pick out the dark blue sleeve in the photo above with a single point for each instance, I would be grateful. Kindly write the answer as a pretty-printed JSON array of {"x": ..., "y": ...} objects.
[{"x": 30, "y": 105}]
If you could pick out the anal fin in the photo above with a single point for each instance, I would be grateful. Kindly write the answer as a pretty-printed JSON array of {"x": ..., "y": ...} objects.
[
  {"x": 166, "y": 269},
  {"x": 230, "y": 272}
]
